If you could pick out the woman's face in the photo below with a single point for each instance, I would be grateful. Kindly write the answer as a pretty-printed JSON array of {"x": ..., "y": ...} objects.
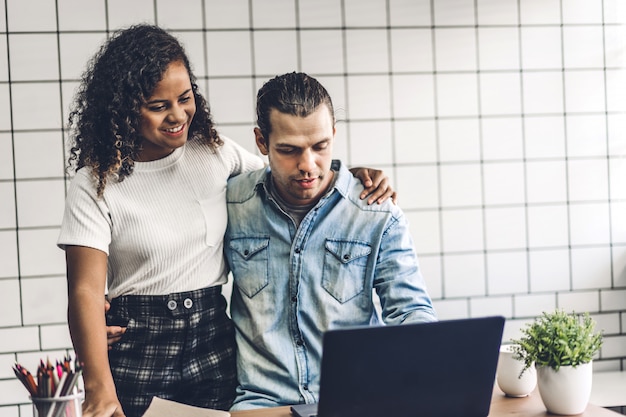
[{"x": 167, "y": 114}]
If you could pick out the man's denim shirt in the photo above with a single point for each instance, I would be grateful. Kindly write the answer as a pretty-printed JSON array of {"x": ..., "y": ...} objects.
[{"x": 292, "y": 284}]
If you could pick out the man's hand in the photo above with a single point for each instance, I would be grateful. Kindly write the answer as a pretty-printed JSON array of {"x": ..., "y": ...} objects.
[
  {"x": 376, "y": 184},
  {"x": 114, "y": 333}
]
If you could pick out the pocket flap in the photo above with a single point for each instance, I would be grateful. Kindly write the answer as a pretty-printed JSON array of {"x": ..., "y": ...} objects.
[
  {"x": 346, "y": 251},
  {"x": 247, "y": 247}
]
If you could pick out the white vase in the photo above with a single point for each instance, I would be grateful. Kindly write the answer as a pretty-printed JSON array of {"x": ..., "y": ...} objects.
[
  {"x": 567, "y": 390},
  {"x": 508, "y": 374}
]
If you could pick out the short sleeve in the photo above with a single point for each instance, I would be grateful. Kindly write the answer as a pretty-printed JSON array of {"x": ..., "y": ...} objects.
[{"x": 86, "y": 219}]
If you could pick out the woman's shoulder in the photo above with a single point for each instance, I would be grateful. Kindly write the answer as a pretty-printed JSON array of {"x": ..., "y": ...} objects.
[{"x": 84, "y": 177}]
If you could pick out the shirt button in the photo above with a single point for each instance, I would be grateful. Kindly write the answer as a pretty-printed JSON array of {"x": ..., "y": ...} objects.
[
  {"x": 305, "y": 387},
  {"x": 188, "y": 302},
  {"x": 171, "y": 304},
  {"x": 294, "y": 298},
  {"x": 346, "y": 257},
  {"x": 300, "y": 342},
  {"x": 297, "y": 250}
]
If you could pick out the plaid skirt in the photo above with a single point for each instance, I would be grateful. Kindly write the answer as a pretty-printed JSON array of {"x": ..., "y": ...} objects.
[{"x": 179, "y": 347}]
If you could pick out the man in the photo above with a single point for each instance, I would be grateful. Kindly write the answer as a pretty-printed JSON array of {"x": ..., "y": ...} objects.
[{"x": 306, "y": 252}]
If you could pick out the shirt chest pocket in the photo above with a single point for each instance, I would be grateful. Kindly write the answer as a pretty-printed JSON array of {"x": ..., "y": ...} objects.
[
  {"x": 250, "y": 264},
  {"x": 345, "y": 264},
  {"x": 215, "y": 217}
]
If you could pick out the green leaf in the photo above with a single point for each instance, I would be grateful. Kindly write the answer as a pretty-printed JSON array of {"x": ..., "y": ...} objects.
[{"x": 557, "y": 339}]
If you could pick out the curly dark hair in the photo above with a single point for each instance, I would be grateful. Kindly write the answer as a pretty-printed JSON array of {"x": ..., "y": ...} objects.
[{"x": 105, "y": 119}]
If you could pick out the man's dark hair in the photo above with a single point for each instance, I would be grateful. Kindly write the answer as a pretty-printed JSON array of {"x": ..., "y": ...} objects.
[{"x": 294, "y": 93}]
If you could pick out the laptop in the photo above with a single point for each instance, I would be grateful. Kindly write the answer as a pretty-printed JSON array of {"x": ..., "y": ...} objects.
[{"x": 438, "y": 369}]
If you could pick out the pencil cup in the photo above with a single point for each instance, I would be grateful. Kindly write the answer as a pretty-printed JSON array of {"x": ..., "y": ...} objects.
[
  {"x": 508, "y": 375},
  {"x": 67, "y": 406}
]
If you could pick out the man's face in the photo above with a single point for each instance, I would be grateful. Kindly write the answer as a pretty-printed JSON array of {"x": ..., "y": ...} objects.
[{"x": 299, "y": 151}]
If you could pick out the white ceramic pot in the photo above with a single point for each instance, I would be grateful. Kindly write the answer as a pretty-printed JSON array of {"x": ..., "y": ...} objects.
[
  {"x": 567, "y": 390},
  {"x": 508, "y": 374}
]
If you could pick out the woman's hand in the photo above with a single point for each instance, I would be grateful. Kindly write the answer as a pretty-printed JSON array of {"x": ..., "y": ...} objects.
[
  {"x": 101, "y": 404},
  {"x": 376, "y": 183}
]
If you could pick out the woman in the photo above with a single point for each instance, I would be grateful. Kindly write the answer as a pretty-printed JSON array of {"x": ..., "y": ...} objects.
[{"x": 145, "y": 217}]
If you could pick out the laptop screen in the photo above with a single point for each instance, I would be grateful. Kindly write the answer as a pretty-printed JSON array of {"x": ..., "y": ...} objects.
[{"x": 425, "y": 369}]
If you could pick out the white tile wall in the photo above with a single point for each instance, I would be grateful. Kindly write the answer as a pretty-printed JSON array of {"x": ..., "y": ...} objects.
[
  {"x": 7, "y": 205},
  {"x": 549, "y": 270},
  {"x": 544, "y": 137},
  {"x": 409, "y": 150},
  {"x": 10, "y": 309},
  {"x": 542, "y": 92},
  {"x": 6, "y": 156},
  {"x": 92, "y": 15},
  {"x": 4, "y": 66},
  {"x": 5, "y": 106},
  {"x": 169, "y": 14},
  {"x": 608, "y": 323},
  {"x": 235, "y": 97},
  {"x": 411, "y": 50},
  {"x": 541, "y": 48},
  {"x": 505, "y": 228},
  {"x": 533, "y": 304},
  {"x": 123, "y": 13},
  {"x": 369, "y": 134},
  {"x": 502, "y": 124},
  {"x": 459, "y": 140},
  {"x": 497, "y": 12},
  {"x": 231, "y": 14},
  {"x": 585, "y": 301},
  {"x": 411, "y": 93},
  {"x": 452, "y": 308},
  {"x": 465, "y": 275},
  {"x": 368, "y": 97},
  {"x": 8, "y": 261},
  {"x": 615, "y": 95},
  {"x": 503, "y": 183},
  {"x": 30, "y": 15},
  {"x": 35, "y": 66},
  {"x": 365, "y": 12},
  {"x": 457, "y": 94},
  {"x": 499, "y": 48},
  {"x": 320, "y": 13},
  {"x": 461, "y": 185},
  {"x": 228, "y": 53},
  {"x": 275, "y": 52},
  {"x": 455, "y": 49},
  {"x": 507, "y": 273},
  {"x": 281, "y": 14},
  {"x": 491, "y": 306},
  {"x": 426, "y": 229},
  {"x": 3, "y": 15},
  {"x": 462, "y": 230},
  {"x": 39, "y": 99},
  {"x": 366, "y": 51},
  {"x": 500, "y": 94},
  {"x": 322, "y": 51}
]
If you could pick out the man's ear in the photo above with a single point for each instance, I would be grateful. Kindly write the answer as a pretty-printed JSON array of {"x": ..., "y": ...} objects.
[{"x": 261, "y": 143}]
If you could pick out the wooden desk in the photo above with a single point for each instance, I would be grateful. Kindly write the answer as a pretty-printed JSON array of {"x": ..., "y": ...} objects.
[{"x": 530, "y": 406}]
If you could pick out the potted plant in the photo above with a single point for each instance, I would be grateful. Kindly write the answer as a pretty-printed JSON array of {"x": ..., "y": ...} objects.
[{"x": 562, "y": 347}]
